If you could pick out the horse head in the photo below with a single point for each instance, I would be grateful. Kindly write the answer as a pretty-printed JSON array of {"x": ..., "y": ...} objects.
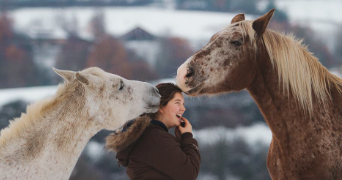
[
  {"x": 111, "y": 100},
  {"x": 228, "y": 62}
]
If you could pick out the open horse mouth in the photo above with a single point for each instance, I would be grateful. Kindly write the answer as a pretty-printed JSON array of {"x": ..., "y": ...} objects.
[
  {"x": 144, "y": 114},
  {"x": 194, "y": 91},
  {"x": 153, "y": 106}
]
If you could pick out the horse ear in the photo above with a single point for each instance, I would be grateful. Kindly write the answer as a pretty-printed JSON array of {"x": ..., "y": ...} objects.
[
  {"x": 66, "y": 75},
  {"x": 260, "y": 24},
  {"x": 237, "y": 18},
  {"x": 82, "y": 78}
]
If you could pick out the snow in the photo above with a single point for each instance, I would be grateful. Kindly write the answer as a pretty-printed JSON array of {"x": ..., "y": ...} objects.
[
  {"x": 206, "y": 176},
  {"x": 146, "y": 49},
  {"x": 29, "y": 94},
  {"x": 95, "y": 150},
  {"x": 324, "y": 17},
  {"x": 252, "y": 134},
  {"x": 314, "y": 10},
  {"x": 336, "y": 71},
  {"x": 197, "y": 25},
  {"x": 171, "y": 80}
]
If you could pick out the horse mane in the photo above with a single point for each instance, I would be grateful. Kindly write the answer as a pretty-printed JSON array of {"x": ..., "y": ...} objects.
[
  {"x": 37, "y": 111},
  {"x": 299, "y": 70},
  {"x": 95, "y": 71}
]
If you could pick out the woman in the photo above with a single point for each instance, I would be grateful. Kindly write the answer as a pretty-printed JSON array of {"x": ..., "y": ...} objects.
[{"x": 148, "y": 151}]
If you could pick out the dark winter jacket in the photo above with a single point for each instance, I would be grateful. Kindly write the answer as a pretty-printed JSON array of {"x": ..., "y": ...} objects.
[{"x": 149, "y": 152}]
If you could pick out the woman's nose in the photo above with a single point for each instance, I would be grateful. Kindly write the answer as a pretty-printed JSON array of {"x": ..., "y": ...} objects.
[{"x": 183, "y": 108}]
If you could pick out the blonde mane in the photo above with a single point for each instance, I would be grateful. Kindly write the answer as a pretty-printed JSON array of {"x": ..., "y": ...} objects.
[
  {"x": 36, "y": 112},
  {"x": 299, "y": 71}
]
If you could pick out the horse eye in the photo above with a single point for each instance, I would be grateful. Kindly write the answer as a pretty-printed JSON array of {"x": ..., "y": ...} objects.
[
  {"x": 122, "y": 85},
  {"x": 236, "y": 43}
]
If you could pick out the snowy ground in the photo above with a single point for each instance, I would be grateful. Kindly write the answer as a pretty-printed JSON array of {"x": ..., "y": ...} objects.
[
  {"x": 120, "y": 20},
  {"x": 255, "y": 134},
  {"x": 323, "y": 16},
  {"x": 305, "y": 11},
  {"x": 30, "y": 94}
]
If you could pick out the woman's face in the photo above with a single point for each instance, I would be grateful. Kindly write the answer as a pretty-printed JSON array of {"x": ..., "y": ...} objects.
[{"x": 171, "y": 114}]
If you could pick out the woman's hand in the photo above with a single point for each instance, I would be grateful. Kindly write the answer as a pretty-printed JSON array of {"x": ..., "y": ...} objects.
[{"x": 187, "y": 127}]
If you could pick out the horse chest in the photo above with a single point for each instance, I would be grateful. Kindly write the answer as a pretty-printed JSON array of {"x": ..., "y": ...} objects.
[
  {"x": 40, "y": 168},
  {"x": 300, "y": 163}
]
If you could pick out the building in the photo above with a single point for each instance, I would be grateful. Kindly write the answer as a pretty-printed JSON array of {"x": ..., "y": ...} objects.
[{"x": 143, "y": 43}]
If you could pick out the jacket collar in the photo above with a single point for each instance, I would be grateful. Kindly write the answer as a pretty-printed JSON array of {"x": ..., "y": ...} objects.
[
  {"x": 159, "y": 123},
  {"x": 129, "y": 133}
]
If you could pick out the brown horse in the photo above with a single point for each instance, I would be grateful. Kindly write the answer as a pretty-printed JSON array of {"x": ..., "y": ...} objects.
[{"x": 299, "y": 99}]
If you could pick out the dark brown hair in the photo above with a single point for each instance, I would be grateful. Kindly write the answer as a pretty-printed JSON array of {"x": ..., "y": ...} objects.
[{"x": 167, "y": 92}]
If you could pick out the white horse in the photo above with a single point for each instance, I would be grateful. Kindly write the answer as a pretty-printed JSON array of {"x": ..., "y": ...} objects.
[{"x": 46, "y": 142}]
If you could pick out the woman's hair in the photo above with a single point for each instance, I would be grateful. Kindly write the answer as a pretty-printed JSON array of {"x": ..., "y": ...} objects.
[{"x": 167, "y": 92}]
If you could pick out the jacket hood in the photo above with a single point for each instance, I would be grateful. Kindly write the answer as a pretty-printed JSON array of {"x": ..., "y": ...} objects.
[{"x": 123, "y": 140}]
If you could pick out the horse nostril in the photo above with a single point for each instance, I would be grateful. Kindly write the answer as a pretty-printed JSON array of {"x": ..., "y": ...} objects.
[{"x": 190, "y": 72}]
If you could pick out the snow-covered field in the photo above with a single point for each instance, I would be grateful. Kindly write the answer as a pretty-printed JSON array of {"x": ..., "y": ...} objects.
[
  {"x": 120, "y": 20},
  {"x": 257, "y": 133},
  {"x": 323, "y": 16},
  {"x": 30, "y": 94},
  {"x": 305, "y": 11}
]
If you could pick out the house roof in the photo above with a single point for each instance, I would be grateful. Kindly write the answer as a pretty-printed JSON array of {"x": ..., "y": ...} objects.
[{"x": 138, "y": 34}]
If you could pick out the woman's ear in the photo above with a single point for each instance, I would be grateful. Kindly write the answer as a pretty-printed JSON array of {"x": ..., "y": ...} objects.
[{"x": 160, "y": 111}]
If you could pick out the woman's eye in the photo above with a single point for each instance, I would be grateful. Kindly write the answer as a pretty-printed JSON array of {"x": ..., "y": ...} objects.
[
  {"x": 236, "y": 43},
  {"x": 122, "y": 85}
]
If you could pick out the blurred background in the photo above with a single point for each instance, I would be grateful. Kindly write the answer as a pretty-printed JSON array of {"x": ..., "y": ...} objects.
[{"x": 147, "y": 40}]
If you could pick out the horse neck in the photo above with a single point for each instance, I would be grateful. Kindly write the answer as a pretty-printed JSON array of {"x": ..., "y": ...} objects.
[
  {"x": 281, "y": 110},
  {"x": 264, "y": 91},
  {"x": 52, "y": 145}
]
